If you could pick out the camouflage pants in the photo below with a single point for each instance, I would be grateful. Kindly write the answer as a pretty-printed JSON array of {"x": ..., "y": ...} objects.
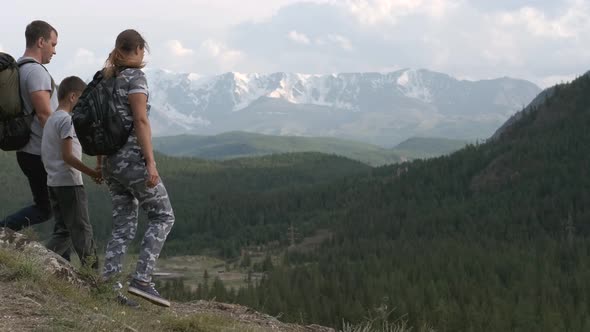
[{"x": 126, "y": 181}]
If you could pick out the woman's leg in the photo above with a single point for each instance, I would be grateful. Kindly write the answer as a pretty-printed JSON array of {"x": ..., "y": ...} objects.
[
  {"x": 156, "y": 203},
  {"x": 124, "y": 227}
]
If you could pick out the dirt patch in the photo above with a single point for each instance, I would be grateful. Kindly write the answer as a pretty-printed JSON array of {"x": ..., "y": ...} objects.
[
  {"x": 313, "y": 242},
  {"x": 20, "y": 311},
  {"x": 244, "y": 315}
]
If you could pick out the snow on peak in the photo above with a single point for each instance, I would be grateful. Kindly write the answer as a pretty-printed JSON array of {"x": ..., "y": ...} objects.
[
  {"x": 194, "y": 77},
  {"x": 412, "y": 84},
  {"x": 403, "y": 79},
  {"x": 332, "y": 90}
]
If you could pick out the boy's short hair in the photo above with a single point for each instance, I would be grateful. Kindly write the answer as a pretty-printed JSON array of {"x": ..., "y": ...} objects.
[
  {"x": 36, "y": 30},
  {"x": 72, "y": 84}
]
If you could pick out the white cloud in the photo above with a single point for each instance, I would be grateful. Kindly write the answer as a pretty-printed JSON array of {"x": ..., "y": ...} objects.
[
  {"x": 177, "y": 49},
  {"x": 299, "y": 38},
  {"x": 556, "y": 79},
  {"x": 85, "y": 57},
  {"x": 390, "y": 11},
  {"x": 540, "y": 40},
  {"x": 225, "y": 57},
  {"x": 569, "y": 25},
  {"x": 337, "y": 40},
  {"x": 83, "y": 64}
]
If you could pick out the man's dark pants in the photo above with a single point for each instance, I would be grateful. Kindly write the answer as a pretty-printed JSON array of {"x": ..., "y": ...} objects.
[{"x": 32, "y": 166}]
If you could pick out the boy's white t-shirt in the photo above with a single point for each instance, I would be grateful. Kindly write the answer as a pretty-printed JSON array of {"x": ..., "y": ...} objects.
[{"x": 58, "y": 127}]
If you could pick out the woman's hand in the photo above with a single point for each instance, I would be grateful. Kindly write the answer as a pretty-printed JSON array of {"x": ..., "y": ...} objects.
[
  {"x": 153, "y": 177},
  {"x": 97, "y": 177}
]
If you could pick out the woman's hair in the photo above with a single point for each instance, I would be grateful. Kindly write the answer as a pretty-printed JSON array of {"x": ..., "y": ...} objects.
[{"x": 127, "y": 42}]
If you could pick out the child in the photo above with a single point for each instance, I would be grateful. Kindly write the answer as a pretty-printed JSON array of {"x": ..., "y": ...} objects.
[{"x": 61, "y": 154}]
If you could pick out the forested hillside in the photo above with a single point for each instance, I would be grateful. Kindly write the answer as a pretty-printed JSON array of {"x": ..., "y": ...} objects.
[
  {"x": 208, "y": 197},
  {"x": 491, "y": 238}
]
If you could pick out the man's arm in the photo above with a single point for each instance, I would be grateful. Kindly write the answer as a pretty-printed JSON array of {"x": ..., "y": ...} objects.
[
  {"x": 70, "y": 159},
  {"x": 41, "y": 101}
]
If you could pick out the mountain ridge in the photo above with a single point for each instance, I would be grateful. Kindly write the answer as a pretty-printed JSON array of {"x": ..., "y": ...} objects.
[
  {"x": 379, "y": 108},
  {"x": 238, "y": 144}
]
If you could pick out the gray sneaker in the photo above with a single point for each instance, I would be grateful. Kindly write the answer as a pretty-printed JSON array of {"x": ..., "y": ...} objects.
[
  {"x": 148, "y": 292},
  {"x": 122, "y": 299}
]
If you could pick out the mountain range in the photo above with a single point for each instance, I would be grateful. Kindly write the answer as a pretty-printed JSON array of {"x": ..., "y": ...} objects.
[{"x": 377, "y": 108}]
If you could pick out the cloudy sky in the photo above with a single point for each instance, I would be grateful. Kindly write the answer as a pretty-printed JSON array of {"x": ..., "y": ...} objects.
[{"x": 545, "y": 41}]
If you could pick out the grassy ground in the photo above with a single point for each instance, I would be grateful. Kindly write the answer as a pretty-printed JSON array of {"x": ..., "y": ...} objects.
[{"x": 33, "y": 301}]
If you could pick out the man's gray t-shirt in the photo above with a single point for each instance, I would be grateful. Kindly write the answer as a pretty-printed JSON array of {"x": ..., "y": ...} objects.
[
  {"x": 34, "y": 77},
  {"x": 59, "y": 126}
]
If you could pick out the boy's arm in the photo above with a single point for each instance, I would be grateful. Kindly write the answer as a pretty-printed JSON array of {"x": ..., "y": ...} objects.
[{"x": 70, "y": 159}]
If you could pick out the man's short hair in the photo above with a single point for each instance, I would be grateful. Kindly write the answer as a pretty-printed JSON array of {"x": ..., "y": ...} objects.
[
  {"x": 72, "y": 84},
  {"x": 36, "y": 30}
]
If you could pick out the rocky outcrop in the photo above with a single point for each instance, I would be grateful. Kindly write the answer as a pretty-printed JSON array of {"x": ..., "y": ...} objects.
[
  {"x": 49, "y": 261},
  {"x": 19, "y": 310}
]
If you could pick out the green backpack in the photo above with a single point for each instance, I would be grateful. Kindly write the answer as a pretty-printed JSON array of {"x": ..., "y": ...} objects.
[{"x": 15, "y": 124}]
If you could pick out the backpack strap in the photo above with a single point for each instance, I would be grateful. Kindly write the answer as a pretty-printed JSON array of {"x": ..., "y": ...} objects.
[
  {"x": 53, "y": 85},
  {"x": 29, "y": 60},
  {"x": 121, "y": 69}
]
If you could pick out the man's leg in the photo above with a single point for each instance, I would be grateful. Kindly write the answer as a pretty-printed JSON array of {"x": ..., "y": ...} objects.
[{"x": 32, "y": 166}]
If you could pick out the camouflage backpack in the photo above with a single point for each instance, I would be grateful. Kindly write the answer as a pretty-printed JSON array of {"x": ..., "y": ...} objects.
[
  {"x": 98, "y": 124},
  {"x": 15, "y": 124}
]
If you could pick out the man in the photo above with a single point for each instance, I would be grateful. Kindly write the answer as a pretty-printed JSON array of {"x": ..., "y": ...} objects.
[{"x": 38, "y": 95}]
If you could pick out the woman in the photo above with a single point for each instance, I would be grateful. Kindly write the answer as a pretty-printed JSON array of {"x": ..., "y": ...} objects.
[{"x": 131, "y": 173}]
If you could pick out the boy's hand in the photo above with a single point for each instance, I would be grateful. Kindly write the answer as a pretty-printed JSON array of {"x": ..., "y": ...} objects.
[{"x": 97, "y": 176}]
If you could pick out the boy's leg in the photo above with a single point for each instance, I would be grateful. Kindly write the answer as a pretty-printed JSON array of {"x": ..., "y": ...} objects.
[
  {"x": 60, "y": 241},
  {"x": 124, "y": 227},
  {"x": 74, "y": 210},
  {"x": 32, "y": 166}
]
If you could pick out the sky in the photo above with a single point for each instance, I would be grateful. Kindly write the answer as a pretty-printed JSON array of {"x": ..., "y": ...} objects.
[{"x": 544, "y": 41}]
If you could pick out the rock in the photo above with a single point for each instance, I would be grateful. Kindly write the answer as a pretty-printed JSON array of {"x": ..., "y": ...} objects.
[{"x": 49, "y": 261}]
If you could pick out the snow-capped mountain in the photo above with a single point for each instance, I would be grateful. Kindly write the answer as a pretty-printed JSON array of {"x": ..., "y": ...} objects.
[{"x": 373, "y": 107}]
